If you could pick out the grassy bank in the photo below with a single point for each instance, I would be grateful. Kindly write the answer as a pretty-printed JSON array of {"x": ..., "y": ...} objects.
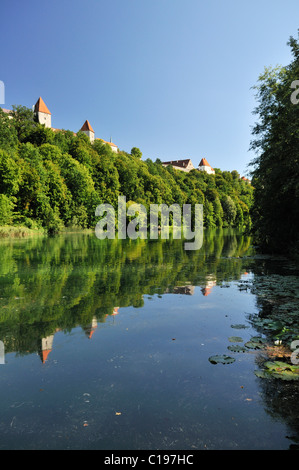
[
  {"x": 21, "y": 231},
  {"x": 9, "y": 231}
]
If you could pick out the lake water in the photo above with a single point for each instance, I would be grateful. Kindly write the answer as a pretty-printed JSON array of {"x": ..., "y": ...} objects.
[{"x": 108, "y": 345}]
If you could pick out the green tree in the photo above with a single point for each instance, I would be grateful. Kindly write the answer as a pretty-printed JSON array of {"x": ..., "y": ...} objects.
[
  {"x": 229, "y": 210},
  {"x": 23, "y": 122},
  {"x": 39, "y": 135},
  {"x": 276, "y": 167},
  {"x": 51, "y": 179},
  {"x": 209, "y": 214},
  {"x": 8, "y": 134},
  {"x": 136, "y": 152},
  {"x": 10, "y": 174},
  {"x": 6, "y": 210},
  {"x": 218, "y": 212}
]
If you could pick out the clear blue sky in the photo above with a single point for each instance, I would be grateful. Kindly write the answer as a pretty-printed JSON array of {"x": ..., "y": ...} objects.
[{"x": 172, "y": 77}]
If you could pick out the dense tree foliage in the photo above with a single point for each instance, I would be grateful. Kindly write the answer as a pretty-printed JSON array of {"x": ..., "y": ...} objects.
[
  {"x": 56, "y": 179},
  {"x": 276, "y": 166}
]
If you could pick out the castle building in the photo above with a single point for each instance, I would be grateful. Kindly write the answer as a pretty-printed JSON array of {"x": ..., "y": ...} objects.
[
  {"x": 113, "y": 146},
  {"x": 245, "y": 179},
  {"x": 205, "y": 166},
  {"x": 42, "y": 113},
  {"x": 182, "y": 165},
  {"x": 7, "y": 111},
  {"x": 88, "y": 130},
  {"x": 43, "y": 116},
  {"x": 187, "y": 165}
]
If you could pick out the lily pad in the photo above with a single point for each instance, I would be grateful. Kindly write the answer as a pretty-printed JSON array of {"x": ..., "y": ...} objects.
[
  {"x": 258, "y": 339},
  {"x": 235, "y": 339},
  {"x": 254, "y": 345},
  {"x": 279, "y": 370},
  {"x": 256, "y": 342},
  {"x": 262, "y": 374},
  {"x": 239, "y": 326},
  {"x": 236, "y": 348},
  {"x": 269, "y": 324},
  {"x": 221, "y": 359}
]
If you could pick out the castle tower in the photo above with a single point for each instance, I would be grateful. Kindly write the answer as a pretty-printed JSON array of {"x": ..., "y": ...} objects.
[
  {"x": 88, "y": 130},
  {"x": 42, "y": 113},
  {"x": 205, "y": 166}
]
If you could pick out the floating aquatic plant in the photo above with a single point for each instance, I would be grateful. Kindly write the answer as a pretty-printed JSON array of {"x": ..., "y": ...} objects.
[
  {"x": 239, "y": 326},
  {"x": 256, "y": 342},
  {"x": 236, "y": 348},
  {"x": 279, "y": 370},
  {"x": 235, "y": 339},
  {"x": 221, "y": 359}
]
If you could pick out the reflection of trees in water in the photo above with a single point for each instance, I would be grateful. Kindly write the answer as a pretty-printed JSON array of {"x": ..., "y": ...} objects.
[
  {"x": 53, "y": 284},
  {"x": 281, "y": 401},
  {"x": 276, "y": 286},
  {"x": 50, "y": 284}
]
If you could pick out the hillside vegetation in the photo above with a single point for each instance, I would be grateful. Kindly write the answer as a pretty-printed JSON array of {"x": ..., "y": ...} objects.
[{"x": 53, "y": 180}]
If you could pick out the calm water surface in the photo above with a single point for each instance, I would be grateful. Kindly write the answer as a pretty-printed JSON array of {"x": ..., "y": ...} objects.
[{"x": 107, "y": 345}]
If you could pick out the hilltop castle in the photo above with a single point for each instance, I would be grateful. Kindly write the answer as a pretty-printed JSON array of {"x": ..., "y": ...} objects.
[
  {"x": 187, "y": 165},
  {"x": 43, "y": 116}
]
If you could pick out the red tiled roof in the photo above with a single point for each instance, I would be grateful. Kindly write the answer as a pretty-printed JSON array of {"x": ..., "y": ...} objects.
[
  {"x": 87, "y": 127},
  {"x": 245, "y": 179},
  {"x": 41, "y": 107},
  {"x": 7, "y": 111},
  {"x": 105, "y": 142},
  {"x": 204, "y": 162}
]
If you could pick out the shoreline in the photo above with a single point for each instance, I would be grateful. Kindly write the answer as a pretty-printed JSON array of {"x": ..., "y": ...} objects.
[
  {"x": 19, "y": 231},
  {"x": 11, "y": 232}
]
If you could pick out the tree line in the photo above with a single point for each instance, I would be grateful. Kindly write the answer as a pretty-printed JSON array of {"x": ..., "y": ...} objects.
[
  {"x": 56, "y": 179},
  {"x": 275, "y": 173}
]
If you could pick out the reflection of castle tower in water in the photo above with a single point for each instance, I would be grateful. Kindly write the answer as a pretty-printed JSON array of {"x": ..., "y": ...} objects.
[
  {"x": 46, "y": 344},
  {"x": 189, "y": 289},
  {"x": 115, "y": 311},
  {"x": 90, "y": 329},
  {"x": 46, "y": 347},
  {"x": 207, "y": 289}
]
